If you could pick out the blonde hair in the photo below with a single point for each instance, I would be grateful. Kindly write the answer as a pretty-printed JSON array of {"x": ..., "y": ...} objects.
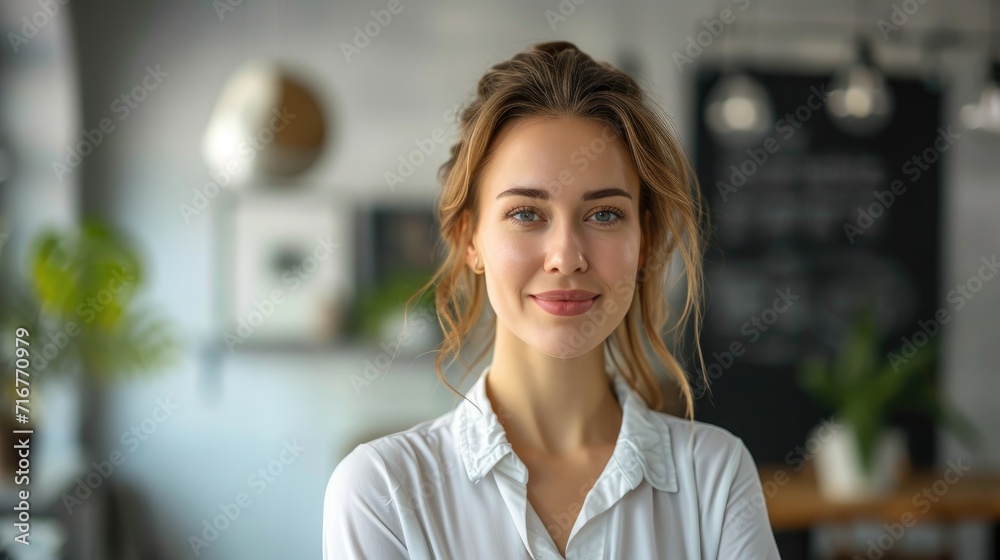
[{"x": 558, "y": 80}]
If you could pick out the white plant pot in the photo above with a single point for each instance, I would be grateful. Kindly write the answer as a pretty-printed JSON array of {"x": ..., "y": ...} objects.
[
  {"x": 421, "y": 333},
  {"x": 839, "y": 473}
]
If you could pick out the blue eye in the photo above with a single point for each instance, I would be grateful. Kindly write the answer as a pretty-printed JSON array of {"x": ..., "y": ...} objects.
[
  {"x": 522, "y": 213},
  {"x": 515, "y": 214},
  {"x": 616, "y": 216}
]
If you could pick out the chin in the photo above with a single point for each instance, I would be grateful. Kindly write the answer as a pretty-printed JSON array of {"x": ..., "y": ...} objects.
[{"x": 563, "y": 342}]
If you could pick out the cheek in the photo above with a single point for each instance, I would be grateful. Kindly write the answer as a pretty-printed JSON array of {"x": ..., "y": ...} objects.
[
  {"x": 620, "y": 263},
  {"x": 513, "y": 260},
  {"x": 623, "y": 252},
  {"x": 630, "y": 257}
]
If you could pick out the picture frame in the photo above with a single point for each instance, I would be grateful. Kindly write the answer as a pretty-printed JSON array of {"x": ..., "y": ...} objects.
[
  {"x": 397, "y": 249},
  {"x": 285, "y": 280}
]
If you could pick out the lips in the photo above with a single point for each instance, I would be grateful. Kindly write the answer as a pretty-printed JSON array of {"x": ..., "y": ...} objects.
[
  {"x": 566, "y": 303},
  {"x": 566, "y": 295}
]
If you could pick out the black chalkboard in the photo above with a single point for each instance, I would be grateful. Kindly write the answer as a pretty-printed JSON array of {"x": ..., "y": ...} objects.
[{"x": 791, "y": 248}]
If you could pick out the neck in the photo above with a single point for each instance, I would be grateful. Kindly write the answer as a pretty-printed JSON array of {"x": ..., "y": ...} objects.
[{"x": 552, "y": 406}]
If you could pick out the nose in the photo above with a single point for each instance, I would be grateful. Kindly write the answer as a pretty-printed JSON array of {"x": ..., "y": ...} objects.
[{"x": 565, "y": 250}]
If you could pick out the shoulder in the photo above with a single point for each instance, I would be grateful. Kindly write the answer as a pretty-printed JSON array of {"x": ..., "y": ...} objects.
[
  {"x": 364, "y": 513},
  {"x": 360, "y": 474},
  {"x": 370, "y": 475},
  {"x": 699, "y": 441},
  {"x": 381, "y": 461},
  {"x": 709, "y": 458},
  {"x": 428, "y": 441},
  {"x": 715, "y": 466}
]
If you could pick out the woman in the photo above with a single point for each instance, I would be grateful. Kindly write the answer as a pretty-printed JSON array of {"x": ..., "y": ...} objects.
[{"x": 563, "y": 201}]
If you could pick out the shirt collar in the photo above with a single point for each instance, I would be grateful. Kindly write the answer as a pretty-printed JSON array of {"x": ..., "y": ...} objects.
[{"x": 643, "y": 448}]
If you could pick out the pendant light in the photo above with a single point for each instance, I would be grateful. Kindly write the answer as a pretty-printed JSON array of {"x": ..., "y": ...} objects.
[
  {"x": 985, "y": 115},
  {"x": 738, "y": 109},
  {"x": 267, "y": 125},
  {"x": 860, "y": 101}
]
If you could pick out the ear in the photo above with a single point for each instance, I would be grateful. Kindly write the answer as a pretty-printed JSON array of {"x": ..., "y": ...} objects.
[
  {"x": 470, "y": 256},
  {"x": 471, "y": 252}
]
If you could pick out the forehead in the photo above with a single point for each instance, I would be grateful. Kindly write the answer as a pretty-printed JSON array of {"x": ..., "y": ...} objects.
[{"x": 557, "y": 152}]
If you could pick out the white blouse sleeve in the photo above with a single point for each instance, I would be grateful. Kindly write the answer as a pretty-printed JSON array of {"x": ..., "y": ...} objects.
[
  {"x": 360, "y": 520},
  {"x": 746, "y": 530}
]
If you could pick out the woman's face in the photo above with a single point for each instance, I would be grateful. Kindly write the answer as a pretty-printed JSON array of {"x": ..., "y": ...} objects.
[{"x": 559, "y": 210}]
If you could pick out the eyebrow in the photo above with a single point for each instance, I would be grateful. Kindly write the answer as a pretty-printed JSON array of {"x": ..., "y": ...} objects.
[{"x": 544, "y": 194}]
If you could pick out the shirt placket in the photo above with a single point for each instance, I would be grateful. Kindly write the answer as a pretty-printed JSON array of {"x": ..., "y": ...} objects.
[
  {"x": 511, "y": 477},
  {"x": 623, "y": 473}
]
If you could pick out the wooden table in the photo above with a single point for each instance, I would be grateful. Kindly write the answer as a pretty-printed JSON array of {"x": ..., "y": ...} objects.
[{"x": 794, "y": 502}]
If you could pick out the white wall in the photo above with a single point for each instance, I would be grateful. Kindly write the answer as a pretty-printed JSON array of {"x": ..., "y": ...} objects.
[{"x": 395, "y": 91}]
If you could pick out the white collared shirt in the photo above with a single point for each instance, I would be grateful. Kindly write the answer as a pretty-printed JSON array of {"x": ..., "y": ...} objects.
[{"x": 452, "y": 488}]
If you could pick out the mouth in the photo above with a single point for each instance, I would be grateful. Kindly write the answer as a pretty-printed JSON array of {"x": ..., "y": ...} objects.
[{"x": 565, "y": 307}]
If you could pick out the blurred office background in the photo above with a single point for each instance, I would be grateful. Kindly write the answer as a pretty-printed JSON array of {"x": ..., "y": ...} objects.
[{"x": 260, "y": 329}]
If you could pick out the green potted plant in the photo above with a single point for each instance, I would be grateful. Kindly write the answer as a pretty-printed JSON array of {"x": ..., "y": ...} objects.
[
  {"x": 379, "y": 312},
  {"x": 75, "y": 303},
  {"x": 864, "y": 387}
]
